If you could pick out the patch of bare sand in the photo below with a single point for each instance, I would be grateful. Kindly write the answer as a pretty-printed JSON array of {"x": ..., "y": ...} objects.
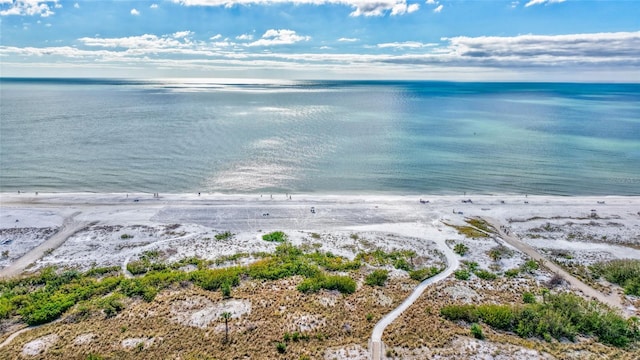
[
  {"x": 84, "y": 339},
  {"x": 199, "y": 311},
  {"x": 131, "y": 343},
  {"x": 349, "y": 352},
  {"x": 462, "y": 293},
  {"x": 39, "y": 345}
]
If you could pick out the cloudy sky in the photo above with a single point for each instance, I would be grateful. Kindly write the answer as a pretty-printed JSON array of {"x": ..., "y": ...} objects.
[{"x": 529, "y": 40}]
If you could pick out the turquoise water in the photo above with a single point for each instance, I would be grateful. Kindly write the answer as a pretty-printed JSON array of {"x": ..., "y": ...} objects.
[{"x": 319, "y": 137}]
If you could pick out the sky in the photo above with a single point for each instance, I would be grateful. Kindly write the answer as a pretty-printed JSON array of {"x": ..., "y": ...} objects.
[{"x": 480, "y": 40}]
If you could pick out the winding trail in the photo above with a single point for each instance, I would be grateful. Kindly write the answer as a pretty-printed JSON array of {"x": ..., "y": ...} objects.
[
  {"x": 69, "y": 227},
  {"x": 376, "y": 346},
  {"x": 587, "y": 291}
]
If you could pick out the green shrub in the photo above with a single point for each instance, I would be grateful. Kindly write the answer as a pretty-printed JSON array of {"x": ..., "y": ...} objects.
[
  {"x": 476, "y": 331},
  {"x": 276, "y": 236},
  {"x": 485, "y": 275},
  {"x": 111, "y": 305},
  {"x": 138, "y": 267},
  {"x": 213, "y": 279},
  {"x": 528, "y": 298},
  {"x": 460, "y": 249},
  {"x": 511, "y": 273},
  {"x": 625, "y": 273},
  {"x": 423, "y": 274},
  {"x": 462, "y": 274},
  {"x": 561, "y": 316},
  {"x": 126, "y": 236},
  {"x": 225, "y": 289},
  {"x": 530, "y": 266},
  {"x": 225, "y": 235},
  {"x": 281, "y": 347},
  {"x": 344, "y": 284},
  {"x": 377, "y": 278}
]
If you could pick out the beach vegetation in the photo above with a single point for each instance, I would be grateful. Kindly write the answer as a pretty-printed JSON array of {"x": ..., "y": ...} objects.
[
  {"x": 528, "y": 298},
  {"x": 480, "y": 224},
  {"x": 425, "y": 273},
  {"x": 276, "y": 236},
  {"x": 399, "y": 259},
  {"x": 460, "y": 249},
  {"x": 476, "y": 331},
  {"x": 485, "y": 274},
  {"x": 224, "y": 235},
  {"x": 126, "y": 236},
  {"x": 343, "y": 284},
  {"x": 511, "y": 273},
  {"x": 530, "y": 266},
  {"x": 377, "y": 278},
  {"x": 500, "y": 252},
  {"x": 561, "y": 316},
  {"x": 462, "y": 274},
  {"x": 625, "y": 273},
  {"x": 469, "y": 231}
]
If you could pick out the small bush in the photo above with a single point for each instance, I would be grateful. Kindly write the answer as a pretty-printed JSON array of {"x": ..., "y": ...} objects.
[
  {"x": 528, "y": 298},
  {"x": 276, "y": 236},
  {"x": 476, "y": 331},
  {"x": 423, "y": 274},
  {"x": 281, "y": 347},
  {"x": 460, "y": 249},
  {"x": 485, "y": 275},
  {"x": 462, "y": 274},
  {"x": 224, "y": 236},
  {"x": 377, "y": 278},
  {"x": 530, "y": 266},
  {"x": 126, "y": 236},
  {"x": 511, "y": 273}
]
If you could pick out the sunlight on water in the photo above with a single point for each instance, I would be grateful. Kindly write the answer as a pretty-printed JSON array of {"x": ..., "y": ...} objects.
[{"x": 239, "y": 135}]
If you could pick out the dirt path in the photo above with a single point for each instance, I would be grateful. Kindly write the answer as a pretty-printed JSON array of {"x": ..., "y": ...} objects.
[
  {"x": 376, "y": 346},
  {"x": 69, "y": 227},
  {"x": 586, "y": 290}
]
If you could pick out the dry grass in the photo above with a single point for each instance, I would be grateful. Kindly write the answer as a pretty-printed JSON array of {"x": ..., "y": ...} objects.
[
  {"x": 422, "y": 326},
  {"x": 276, "y": 307}
]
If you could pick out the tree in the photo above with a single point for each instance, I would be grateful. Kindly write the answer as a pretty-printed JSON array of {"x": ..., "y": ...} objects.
[{"x": 226, "y": 316}]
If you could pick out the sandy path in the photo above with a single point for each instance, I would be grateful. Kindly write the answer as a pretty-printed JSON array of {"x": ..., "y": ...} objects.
[
  {"x": 69, "y": 227},
  {"x": 587, "y": 291},
  {"x": 376, "y": 346}
]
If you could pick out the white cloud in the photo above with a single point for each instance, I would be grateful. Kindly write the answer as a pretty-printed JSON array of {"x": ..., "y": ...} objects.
[
  {"x": 76, "y": 5},
  {"x": 244, "y": 37},
  {"x": 540, "y": 2},
  {"x": 348, "y": 39},
  {"x": 182, "y": 34},
  {"x": 438, "y": 9},
  {"x": 567, "y": 55},
  {"x": 153, "y": 6},
  {"x": 360, "y": 7},
  {"x": 279, "y": 37},
  {"x": 29, "y": 7},
  {"x": 216, "y": 37},
  {"x": 177, "y": 40},
  {"x": 405, "y": 45},
  {"x": 135, "y": 12},
  {"x": 431, "y": 2}
]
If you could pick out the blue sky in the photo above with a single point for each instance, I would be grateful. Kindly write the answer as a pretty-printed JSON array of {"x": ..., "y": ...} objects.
[{"x": 528, "y": 40}]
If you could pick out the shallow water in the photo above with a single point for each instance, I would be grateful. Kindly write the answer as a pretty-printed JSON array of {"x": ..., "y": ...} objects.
[{"x": 319, "y": 137}]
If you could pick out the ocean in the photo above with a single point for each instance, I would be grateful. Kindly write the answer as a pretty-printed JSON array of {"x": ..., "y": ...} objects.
[{"x": 325, "y": 137}]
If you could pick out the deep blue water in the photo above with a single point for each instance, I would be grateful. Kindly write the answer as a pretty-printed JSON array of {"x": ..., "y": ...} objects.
[{"x": 68, "y": 135}]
